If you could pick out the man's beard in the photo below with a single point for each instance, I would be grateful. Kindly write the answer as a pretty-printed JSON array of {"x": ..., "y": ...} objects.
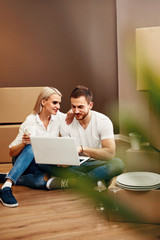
[{"x": 83, "y": 116}]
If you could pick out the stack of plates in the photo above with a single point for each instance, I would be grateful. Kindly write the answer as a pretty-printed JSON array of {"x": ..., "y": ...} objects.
[{"x": 138, "y": 181}]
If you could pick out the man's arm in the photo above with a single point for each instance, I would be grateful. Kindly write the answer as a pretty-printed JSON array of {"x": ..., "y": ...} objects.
[{"x": 105, "y": 153}]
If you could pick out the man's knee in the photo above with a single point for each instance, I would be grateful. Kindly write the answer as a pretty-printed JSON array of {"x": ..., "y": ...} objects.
[{"x": 118, "y": 165}]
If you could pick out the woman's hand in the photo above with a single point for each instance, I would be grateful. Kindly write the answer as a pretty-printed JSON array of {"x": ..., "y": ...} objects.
[
  {"x": 26, "y": 139},
  {"x": 69, "y": 117}
]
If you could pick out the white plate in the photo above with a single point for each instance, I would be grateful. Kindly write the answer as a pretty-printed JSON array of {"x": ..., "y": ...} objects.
[
  {"x": 151, "y": 186},
  {"x": 125, "y": 185},
  {"x": 139, "y": 179},
  {"x": 138, "y": 188}
]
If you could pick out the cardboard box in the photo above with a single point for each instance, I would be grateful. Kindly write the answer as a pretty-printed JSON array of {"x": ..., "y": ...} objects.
[
  {"x": 144, "y": 204},
  {"x": 147, "y": 52},
  {"x": 8, "y": 134},
  {"x": 148, "y": 55},
  {"x": 17, "y": 103},
  {"x": 154, "y": 127},
  {"x": 146, "y": 159}
]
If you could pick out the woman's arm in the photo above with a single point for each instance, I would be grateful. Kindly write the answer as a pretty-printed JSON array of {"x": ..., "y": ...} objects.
[{"x": 15, "y": 150}]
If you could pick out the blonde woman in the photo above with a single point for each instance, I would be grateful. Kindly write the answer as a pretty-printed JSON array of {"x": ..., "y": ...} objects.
[{"x": 46, "y": 120}]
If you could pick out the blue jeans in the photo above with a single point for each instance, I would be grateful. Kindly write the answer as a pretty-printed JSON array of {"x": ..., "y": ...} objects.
[
  {"x": 96, "y": 170},
  {"x": 25, "y": 171}
]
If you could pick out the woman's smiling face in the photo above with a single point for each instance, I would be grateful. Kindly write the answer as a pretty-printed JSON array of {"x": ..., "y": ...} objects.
[{"x": 52, "y": 104}]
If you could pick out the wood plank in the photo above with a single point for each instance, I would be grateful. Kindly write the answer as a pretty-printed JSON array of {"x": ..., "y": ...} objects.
[{"x": 62, "y": 214}]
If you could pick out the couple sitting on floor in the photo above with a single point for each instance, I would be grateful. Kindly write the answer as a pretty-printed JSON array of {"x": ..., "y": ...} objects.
[{"x": 94, "y": 137}]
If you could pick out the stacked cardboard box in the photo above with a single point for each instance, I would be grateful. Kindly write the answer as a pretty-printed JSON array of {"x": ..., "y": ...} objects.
[
  {"x": 146, "y": 159},
  {"x": 144, "y": 204}
]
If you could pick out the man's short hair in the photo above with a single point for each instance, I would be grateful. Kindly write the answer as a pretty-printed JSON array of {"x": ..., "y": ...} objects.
[{"x": 82, "y": 91}]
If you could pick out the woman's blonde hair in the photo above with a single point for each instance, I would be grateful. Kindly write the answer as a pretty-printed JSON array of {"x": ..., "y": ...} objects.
[{"x": 45, "y": 93}]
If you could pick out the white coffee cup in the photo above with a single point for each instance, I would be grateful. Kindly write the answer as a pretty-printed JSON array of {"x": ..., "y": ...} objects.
[
  {"x": 30, "y": 130},
  {"x": 135, "y": 140}
]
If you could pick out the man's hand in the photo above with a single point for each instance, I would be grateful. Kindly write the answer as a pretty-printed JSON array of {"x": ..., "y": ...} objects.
[
  {"x": 80, "y": 149},
  {"x": 106, "y": 152}
]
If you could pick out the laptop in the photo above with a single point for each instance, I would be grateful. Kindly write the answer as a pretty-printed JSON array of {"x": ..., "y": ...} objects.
[{"x": 56, "y": 151}]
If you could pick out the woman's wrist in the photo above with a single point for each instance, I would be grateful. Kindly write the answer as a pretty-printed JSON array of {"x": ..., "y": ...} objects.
[{"x": 23, "y": 142}]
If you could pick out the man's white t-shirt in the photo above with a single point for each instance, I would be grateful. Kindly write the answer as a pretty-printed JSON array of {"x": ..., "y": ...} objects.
[
  {"x": 53, "y": 128},
  {"x": 99, "y": 128}
]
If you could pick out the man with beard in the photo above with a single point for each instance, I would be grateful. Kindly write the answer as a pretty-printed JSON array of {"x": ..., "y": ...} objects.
[{"x": 94, "y": 136}]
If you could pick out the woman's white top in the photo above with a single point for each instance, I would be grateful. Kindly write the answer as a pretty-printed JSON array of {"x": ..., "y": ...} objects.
[{"x": 53, "y": 128}]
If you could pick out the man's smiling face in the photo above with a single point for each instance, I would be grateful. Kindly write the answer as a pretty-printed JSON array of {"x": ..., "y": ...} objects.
[{"x": 80, "y": 107}]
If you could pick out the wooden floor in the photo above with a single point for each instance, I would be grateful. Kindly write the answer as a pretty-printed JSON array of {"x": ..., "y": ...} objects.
[{"x": 62, "y": 214}]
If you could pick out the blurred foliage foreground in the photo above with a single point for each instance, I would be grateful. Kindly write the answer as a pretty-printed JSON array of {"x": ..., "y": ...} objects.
[{"x": 112, "y": 209}]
